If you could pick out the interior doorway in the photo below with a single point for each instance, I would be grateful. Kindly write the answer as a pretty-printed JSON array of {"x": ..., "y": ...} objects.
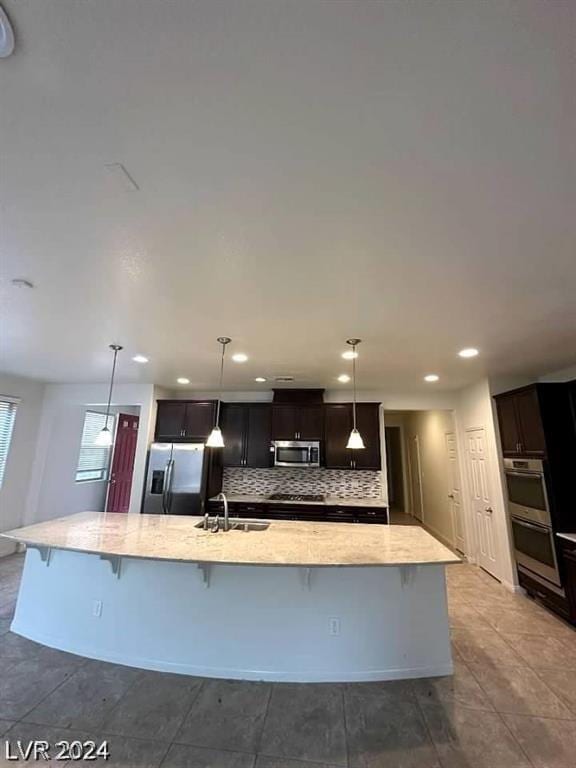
[
  {"x": 395, "y": 470},
  {"x": 416, "y": 477}
]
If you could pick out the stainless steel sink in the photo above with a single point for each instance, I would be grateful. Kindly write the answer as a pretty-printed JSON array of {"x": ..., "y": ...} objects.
[{"x": 237, "y": 524}]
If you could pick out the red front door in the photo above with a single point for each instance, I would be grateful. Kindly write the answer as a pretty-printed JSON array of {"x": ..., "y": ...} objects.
[{"x": 122, "y": 463}]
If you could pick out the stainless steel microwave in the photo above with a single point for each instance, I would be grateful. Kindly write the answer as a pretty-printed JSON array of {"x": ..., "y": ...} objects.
[{"x": 296, "y": 453}]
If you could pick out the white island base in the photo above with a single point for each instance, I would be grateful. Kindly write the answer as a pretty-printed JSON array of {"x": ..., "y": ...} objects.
[{"x": 248, "y": 622}]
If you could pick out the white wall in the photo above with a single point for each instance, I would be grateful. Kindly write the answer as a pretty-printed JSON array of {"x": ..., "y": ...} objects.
[
  {"x": 54, "y": 491},
  {"x": 476, "y": 409},
  {"x": 17, "y": 476}
]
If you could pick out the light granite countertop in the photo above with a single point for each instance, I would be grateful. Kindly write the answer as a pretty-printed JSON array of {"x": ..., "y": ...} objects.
[
  {"x": 174, "y": 537},
  {"x": 328, "y": 501},
  {"x": 569, "y": 536}
]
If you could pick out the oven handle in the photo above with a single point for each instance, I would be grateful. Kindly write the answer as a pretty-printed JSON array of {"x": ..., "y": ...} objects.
[
  {"x": 539, "y": 528},
  {"x": 518, "y": 473}
]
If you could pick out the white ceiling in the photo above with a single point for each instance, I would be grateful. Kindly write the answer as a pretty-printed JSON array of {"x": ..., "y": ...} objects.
[{"x": 309, "y": 170}]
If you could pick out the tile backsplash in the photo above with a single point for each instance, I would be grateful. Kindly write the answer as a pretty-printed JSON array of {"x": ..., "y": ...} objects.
[{"x": 358, "y": 484}]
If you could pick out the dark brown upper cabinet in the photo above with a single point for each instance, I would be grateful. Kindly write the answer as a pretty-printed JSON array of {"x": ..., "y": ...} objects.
[
  {"x": 521, "y": 425},
  {"x": 297, "y": 422},
  {"x": 178, "y": 420},
  {"x": 247, "y": 429},
  {"x": 338, "y": 421}
]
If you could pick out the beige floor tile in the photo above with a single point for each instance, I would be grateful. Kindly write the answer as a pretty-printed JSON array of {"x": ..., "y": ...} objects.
[
  {"x": 543, "y": 651},
  {"x": 562, "y": 682},
  {"x": 485, "y": 646},
  {"x": 460, "y": 688},
  {"x": 548, "y": 743},
  {"x": 465, "y": 615},
  {"x": 521, "y": 621},
  {"x": 471, "y": 739},
  {"x": 519, "y": 690}
]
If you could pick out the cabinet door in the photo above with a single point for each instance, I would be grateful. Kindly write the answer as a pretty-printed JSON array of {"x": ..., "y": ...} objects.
[
  {"x": 532, "y": 440},
  {"x": 310, "y": 422},
  {"x": 199, "y": 419},
  {"x": 507, "y": 420},
  {"x": 233, "y": 426},
  {"x": 284, "y": 422},
  {"x": 170, "y": 420},
  {"x": 337, "y": 426},
  {"x": 569, "y": 555},
  {"x": 368, "y": 424},
  {"x": 258, "y": 436}
]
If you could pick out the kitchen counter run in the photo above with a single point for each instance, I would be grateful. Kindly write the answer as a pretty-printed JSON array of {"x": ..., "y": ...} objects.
[{"x": 172, "y": 537}]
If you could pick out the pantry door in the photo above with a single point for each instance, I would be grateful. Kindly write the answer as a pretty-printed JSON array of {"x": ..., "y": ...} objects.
[
  {"x": 120, "y": 481},
  {"x": 481, "y": 504}
]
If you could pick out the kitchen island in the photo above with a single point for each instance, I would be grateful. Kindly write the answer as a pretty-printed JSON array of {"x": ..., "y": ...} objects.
[{"x": 298, "y": 601}]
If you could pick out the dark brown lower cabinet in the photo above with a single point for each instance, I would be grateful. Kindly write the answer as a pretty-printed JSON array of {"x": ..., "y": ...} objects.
[
  {"x": 568, "y": 566},
  {"x": 311, "y": 512}
]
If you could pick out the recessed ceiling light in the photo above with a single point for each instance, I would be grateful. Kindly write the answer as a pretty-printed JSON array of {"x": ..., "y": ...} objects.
[
  {"x": 239, "y": 357},
  {"x": 431, "y": 377},
  {"x": 349, "y": 355},
  {"x": 20, "y": 282},
  {"x": 260, "y": 379},
  {"x": 468, "y": 352},
  {"x": 140, "y": 359},
  {"x": 183, "y": 380},
  {"x": 344, "y": 378}
]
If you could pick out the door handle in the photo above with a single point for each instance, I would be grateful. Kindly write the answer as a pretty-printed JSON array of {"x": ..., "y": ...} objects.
[
  {"x": 489, "y": 510},
  {"x": 167, "y": 484},
  {"x": 450, "y": 495}
]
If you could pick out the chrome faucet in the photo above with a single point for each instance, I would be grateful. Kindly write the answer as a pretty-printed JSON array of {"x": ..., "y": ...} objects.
[{"x": 222, "y": 497}]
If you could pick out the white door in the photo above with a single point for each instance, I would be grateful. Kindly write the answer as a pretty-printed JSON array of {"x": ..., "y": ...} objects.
[
  {"x": 478, "y": 465},
  {"x": 416, "y": 477},
  {"x": 455, "y": 492}
]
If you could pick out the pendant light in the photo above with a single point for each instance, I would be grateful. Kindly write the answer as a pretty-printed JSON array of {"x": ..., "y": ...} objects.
[
  {"x": 215, "y": 439},
  {"x": 355, "y": 440},
  {"x": 104, "y": 437}
]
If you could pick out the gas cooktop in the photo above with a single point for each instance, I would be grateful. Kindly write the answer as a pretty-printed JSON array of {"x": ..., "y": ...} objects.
[{"x": 296, "y": 497}]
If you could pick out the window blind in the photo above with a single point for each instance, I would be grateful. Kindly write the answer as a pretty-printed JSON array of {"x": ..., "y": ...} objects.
[
  {"x": 93, "y": 459},
  {"x": 7, "y": 416}
]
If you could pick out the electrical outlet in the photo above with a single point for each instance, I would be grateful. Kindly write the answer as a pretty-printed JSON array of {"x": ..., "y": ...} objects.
[
  {"x": 334, "y": 626},
  {"x": 97, "y": 608}
]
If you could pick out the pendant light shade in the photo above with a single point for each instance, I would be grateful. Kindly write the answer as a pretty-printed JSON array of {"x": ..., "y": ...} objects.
[
  {"x": 215, "y": 438},
  {"x": 355, "y": 441},
  {"x": 104, "y": 437}
]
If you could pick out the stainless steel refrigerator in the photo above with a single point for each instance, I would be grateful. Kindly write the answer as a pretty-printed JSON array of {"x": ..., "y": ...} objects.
[{"x": 180, "y": 477}]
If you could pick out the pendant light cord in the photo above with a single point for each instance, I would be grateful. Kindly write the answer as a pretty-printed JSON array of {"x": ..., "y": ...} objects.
[
  {"x": 354, "y": 384},
  {"x": 221, "y": 380},
  {"x": 111, "y": 385}
]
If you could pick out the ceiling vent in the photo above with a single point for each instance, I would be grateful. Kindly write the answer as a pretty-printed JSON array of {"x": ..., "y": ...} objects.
[{"x": 284, "y": 379}]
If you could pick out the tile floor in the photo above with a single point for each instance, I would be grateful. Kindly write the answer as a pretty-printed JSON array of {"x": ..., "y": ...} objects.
[{"x": 510, "y": 703}]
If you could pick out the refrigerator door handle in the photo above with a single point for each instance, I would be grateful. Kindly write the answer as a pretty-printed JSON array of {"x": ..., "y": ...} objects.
[{"x": 166, "y": 500}]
